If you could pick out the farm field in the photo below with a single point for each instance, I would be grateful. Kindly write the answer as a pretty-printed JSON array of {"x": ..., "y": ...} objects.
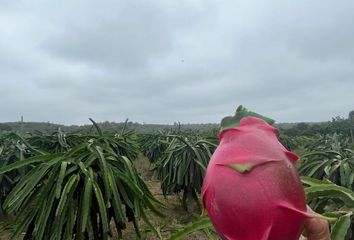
[
  {"x": 176, "y": 218},
  {"x": 76, "y": 162},
  {"x": 130, "y": 185}
]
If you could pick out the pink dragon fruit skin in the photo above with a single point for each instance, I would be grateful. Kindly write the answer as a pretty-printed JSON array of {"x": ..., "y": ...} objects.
[{"x": 251, "y": 189}]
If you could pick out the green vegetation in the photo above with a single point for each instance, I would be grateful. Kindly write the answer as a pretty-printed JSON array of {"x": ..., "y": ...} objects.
[
  {"x": 330, "y": 157},
  {"x": 182, "y": 166},
  {"x": 153, "y": 145},
  {"x": 82, "y": 182},
  {"x": 74, "y": 191}
]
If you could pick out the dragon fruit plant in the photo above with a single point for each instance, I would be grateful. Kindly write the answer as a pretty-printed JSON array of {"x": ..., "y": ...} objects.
[{"x": 251, "y": 188}]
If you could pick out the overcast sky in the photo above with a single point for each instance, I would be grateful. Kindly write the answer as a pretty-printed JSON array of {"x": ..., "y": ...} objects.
[{"x": 164, "y": 61}]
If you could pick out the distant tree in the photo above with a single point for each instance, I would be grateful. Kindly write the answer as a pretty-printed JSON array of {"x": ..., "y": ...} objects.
[
  {"x": 5, "y": 127},
  {"x": 302, "y": 126},
  {"x": 351, "y": 115}
]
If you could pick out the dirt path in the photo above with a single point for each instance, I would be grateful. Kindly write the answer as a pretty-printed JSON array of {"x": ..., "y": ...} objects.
[{"x": 176, "y": 218}]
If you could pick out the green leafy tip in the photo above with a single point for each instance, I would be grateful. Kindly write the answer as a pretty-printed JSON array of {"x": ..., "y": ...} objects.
[
  {"x": 242, "y": 168},
  {"x": 241, "y": 112}
]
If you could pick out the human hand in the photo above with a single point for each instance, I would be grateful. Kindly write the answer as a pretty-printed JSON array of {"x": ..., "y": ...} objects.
[{"x": 316, "y": 229}]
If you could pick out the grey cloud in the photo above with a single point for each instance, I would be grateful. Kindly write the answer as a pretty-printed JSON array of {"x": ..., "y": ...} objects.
[
  {"x": 168, "y": 61},
  {"x": 124, "y": 36}
]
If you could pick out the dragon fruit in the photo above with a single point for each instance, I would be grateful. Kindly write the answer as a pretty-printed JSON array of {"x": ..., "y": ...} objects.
[{"x": 251, "y": 189}]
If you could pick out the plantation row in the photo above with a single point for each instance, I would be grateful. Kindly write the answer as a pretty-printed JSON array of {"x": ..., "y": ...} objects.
[{"x": 75, "y": 186}]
